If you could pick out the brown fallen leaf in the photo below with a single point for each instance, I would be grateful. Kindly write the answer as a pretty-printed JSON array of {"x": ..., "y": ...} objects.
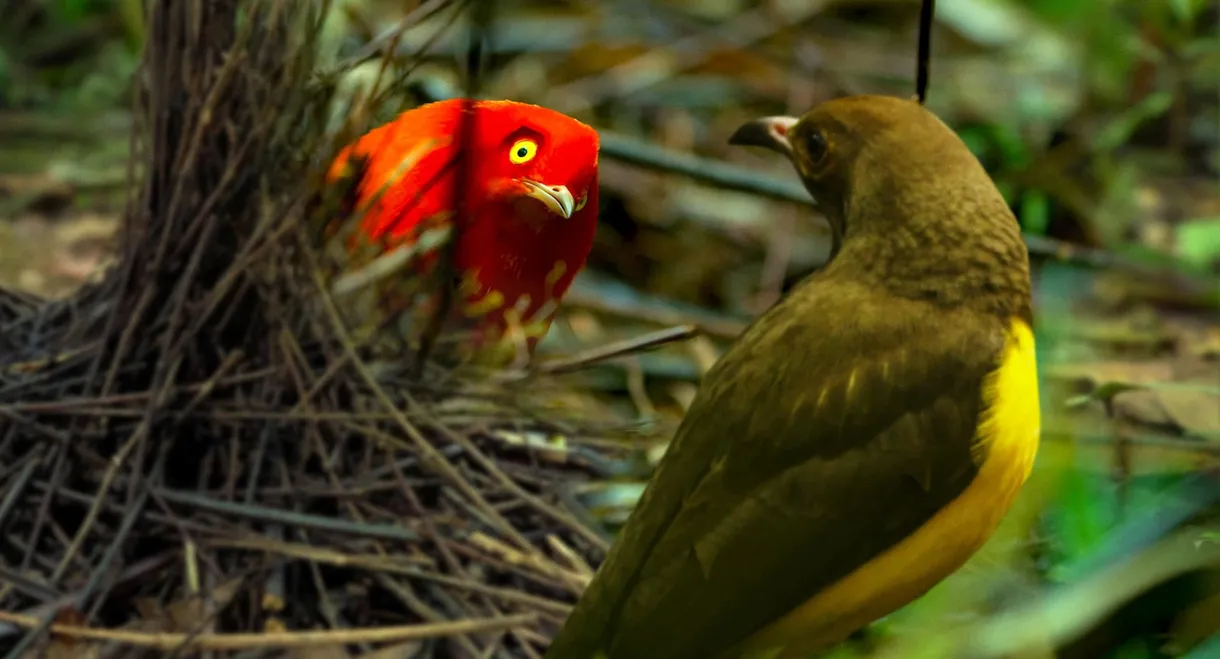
[
  {"x": 1141, "y": 406},
  {"x": 1196, "y": 412},
  {"x": 186, "y": 615},
  {"x": 65, "y": 648},
  {"x": 1205, "y": 344},
  {"x": 1097, "y": 373},
  {"x": 1180, "y": 395},
  {"x": 38, "y": 193}
]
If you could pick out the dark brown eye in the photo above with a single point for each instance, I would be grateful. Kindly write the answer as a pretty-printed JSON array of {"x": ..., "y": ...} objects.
[{"x": 815, "y": 146}]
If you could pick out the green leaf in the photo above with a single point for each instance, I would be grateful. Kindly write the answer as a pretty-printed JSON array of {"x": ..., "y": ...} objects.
[
  {"x": 1186, "y": 11},
  {"x": 1085, "y": 512},
  {"x": 1103, "y": 392},
  {"x": 977, "y": 139},
  {"x": 1136, "y": 649},
  {"x": 1035, "y": 212},
  {"x": 1198, "y": 241},
  {"x": 1118, "y": 132},
  {"x": 73, "y": 10},
  {"x": 1181, "y": 10},
  {"x": 1013, "y": 148},
  {"x": 1088, "y": 508}
]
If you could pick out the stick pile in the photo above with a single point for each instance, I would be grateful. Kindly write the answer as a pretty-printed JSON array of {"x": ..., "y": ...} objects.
[{"x": 191, "y": 461}]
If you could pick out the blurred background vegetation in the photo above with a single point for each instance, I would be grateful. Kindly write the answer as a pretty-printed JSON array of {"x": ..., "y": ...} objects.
[{"x": 1099, "y": 120}]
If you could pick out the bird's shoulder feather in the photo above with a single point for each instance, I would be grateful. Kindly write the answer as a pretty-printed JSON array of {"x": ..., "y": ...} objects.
[{"x": 406, "y": 181}]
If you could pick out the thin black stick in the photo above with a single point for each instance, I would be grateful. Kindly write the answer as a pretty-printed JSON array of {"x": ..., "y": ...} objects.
[
  {"x": 927, "y": 10},
  {"x": 620, "y": 348}
]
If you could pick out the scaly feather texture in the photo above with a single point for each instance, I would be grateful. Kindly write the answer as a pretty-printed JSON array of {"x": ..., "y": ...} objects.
[{"x": 532, "y": 209}]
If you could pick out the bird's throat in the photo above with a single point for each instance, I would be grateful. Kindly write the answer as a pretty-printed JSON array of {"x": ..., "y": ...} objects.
[{"x": 531, "y": 215}]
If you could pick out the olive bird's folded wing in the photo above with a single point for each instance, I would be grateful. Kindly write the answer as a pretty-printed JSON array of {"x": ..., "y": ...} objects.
[{"x": 819, "y": 446}]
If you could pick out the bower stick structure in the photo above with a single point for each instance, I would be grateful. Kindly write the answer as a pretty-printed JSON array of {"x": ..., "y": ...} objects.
[{"x": 194, "y": 453}]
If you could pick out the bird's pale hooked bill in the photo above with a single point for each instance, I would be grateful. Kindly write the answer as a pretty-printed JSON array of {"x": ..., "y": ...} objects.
[{"x": 557, "y": 198}]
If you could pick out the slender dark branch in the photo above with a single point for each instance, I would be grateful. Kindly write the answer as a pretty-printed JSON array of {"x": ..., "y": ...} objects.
[
  {"x": 727, "y": 176},
  {"x": 927, "y": 11},
  {"x": 391, "y": 37},
  {"x": 732, "y": 177},
  {"x": 393, "y": 532},
  {"x": 620, "y": 348}
]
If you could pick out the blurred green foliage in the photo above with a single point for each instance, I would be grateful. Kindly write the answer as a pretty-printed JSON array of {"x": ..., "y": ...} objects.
[
  {"x": 1146, "y": 106},
  {"x": 68, "y": 55}
]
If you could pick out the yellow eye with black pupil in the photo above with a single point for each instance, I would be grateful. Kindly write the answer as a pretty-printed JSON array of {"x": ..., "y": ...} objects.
[{"x": 523, "y": 151}]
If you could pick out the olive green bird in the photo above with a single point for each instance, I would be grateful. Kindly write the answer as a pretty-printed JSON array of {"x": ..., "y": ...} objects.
[{"x": 863, "y": 438}]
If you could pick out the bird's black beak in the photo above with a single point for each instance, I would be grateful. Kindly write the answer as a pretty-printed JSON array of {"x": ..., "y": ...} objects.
[{"x": 767, "y": 132}]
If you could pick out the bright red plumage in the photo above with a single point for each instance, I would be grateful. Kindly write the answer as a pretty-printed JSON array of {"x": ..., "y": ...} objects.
[{"x": 531, "y": 166}]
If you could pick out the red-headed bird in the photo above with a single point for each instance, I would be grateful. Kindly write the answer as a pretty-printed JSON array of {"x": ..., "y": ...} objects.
[{"x": 531, "y": 209}]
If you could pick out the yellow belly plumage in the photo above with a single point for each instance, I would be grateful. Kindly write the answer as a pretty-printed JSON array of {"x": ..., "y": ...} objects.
[{"x": 1007, "y": 443}]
